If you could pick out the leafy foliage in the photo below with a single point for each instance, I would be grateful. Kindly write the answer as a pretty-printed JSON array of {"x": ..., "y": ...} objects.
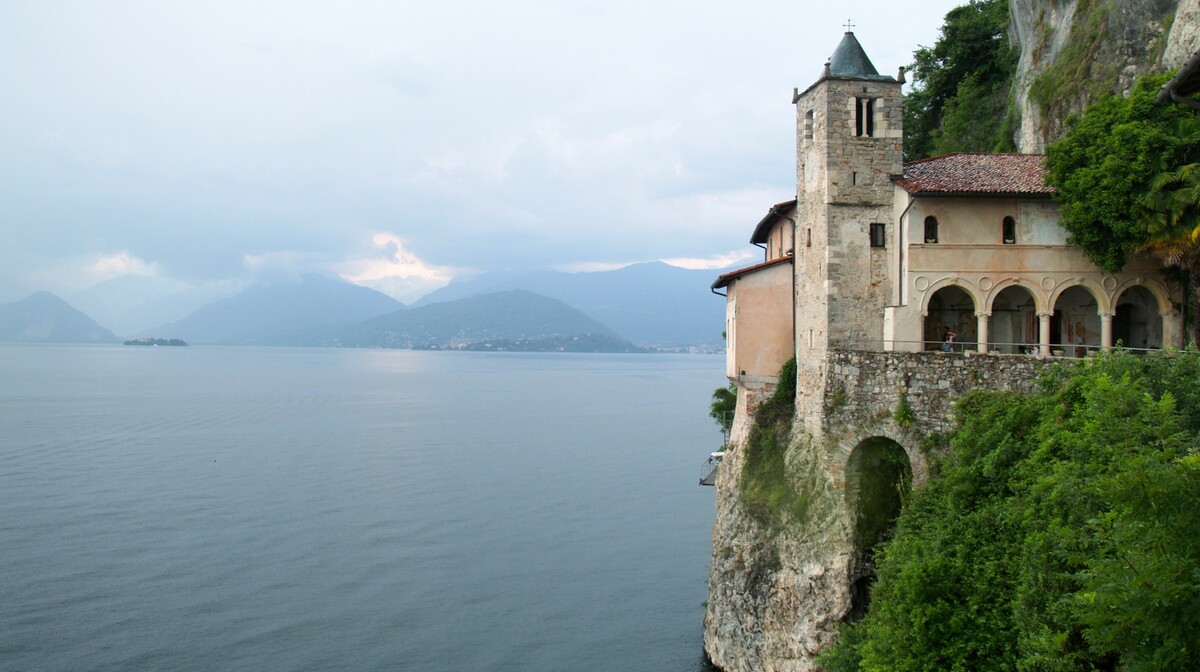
[
  {"x": 724, "y": 403},
  {"x": 960, "y": 82},
  {"x": 903, "y": 415},
  {"x": 1063, "y": 533},
  {"x": 1102, "y": 167},
  {"x": 766, "y": 491}
]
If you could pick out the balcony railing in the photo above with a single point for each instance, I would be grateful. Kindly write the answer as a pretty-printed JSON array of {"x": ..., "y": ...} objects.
[{"x": 1061, "y": 350}]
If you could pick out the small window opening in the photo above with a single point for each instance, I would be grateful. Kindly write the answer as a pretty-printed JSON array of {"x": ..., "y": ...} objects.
[
  {"x": 1010, "y": 231},
  {"x": 854, "y": 178},
  {"x": 877, "y": 235},
  {"x": 931, "y": 229},
  {"x": 808, "y": 125},
  {"x": 864, "y": 117},
  {"x": 808, "y": 237}
]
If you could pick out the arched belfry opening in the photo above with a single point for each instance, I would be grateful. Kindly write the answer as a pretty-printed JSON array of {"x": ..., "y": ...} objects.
[
  {"x": 951, "y": 309},
  {"x": 878, "y": 477}
]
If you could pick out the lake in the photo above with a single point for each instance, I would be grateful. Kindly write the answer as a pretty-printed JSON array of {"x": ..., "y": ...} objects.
[{"x": 205, "y": 508}]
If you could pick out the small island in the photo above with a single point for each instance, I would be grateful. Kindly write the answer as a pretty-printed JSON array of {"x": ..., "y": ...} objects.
[{"x": 155, "y": 341}]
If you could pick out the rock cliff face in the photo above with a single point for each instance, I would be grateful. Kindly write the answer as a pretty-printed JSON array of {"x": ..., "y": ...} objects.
[
  {"x": 777, "y": 591},
  {"x": 1072, "y": 51}
]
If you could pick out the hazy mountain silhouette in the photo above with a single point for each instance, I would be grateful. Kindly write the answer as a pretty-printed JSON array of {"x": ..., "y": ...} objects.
[
  {"x": 44, "y": 318},
  {"x": 262, "y": 313},
  {"x": 131, "y": 305},
  {"x": 512, "y": 320},
  {"x": 651, "y": 304}
]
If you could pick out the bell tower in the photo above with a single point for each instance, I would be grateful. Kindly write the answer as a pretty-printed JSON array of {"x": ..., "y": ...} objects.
[{"x": 849, "y": 146}]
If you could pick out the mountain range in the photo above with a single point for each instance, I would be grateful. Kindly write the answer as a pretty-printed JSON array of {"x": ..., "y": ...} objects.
[
  {"x": 268, "y": 312},
  {"x": 646, "y": 305},
  {"x": 652, "y": 304},
  {"x": 44, "y": 318},
  {"x": 510, "y": 320}
]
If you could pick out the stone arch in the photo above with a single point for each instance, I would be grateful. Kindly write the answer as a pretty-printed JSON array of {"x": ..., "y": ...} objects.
[
  {"x": 1157, "y": 289},
  {"x": 1039, "y": 296},
  {"x": 878, "y": 477},
  {"x": 949, "y": 304},
  {"x": 1098, "y": 293},
  {"x": 1014, "y": 324},
  {"x": 1137, "y": 318},
  {"x": 1075, "y": 325}
]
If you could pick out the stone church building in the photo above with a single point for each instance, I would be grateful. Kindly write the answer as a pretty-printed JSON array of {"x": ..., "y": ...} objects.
[
  {"x": 897, "y": 287},
  {"x": 878, "y": 254}
]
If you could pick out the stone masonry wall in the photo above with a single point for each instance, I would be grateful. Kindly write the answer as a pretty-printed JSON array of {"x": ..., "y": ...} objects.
[{"x": 865, "y": 386}]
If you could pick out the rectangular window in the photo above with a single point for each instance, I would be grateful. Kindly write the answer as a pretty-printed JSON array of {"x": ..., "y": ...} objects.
[
  {"x": 877, "y": 235},
  {"x": 808, "y": 125}
]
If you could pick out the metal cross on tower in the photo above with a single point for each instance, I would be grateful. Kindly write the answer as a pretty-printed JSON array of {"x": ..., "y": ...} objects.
[{"x": 849, "y": 26}]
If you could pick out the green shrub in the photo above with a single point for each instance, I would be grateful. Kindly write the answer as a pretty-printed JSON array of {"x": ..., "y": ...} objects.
[{"x": 765, "y": 489}]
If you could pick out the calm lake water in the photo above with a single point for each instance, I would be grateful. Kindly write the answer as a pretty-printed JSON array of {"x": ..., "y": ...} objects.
[{"x": 222, "y": 508}]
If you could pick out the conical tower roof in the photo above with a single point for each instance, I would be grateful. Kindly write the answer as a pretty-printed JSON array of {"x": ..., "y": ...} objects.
[{"x": 849, "y": 61}]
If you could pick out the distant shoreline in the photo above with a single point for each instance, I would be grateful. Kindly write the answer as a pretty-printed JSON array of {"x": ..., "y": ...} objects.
[{"x": 155, "y": 341}]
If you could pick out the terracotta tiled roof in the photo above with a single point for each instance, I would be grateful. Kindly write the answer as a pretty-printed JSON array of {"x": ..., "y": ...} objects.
[
  {"x": 1018, "y": 174},
  {"x": 764, "y": 225},
  {"x": 727, "y": 278}
]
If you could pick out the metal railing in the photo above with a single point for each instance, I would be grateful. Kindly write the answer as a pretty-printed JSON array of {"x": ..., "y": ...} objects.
[
  {"x": 708, "y": 470},
  {"x": 1059, "y": 350}
]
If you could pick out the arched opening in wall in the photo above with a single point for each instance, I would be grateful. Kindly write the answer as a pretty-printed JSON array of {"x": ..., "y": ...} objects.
[
  {"x": 878, "y": 477},
  {"x": 951, "y": 309},
  {"x": 1013, "y": 328},
  {"x": 1138, "y": 322},
  {"x": 1075, "y": 327},
  {"x": 931, "y": 229}
]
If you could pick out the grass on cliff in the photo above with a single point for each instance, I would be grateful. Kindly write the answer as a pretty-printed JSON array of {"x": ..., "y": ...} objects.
[{"x": 766, "y": 491}]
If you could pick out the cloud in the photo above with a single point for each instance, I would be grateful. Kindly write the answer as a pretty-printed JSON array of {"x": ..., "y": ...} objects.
[
  {"x": 397, "y": 272},
  {"x": 119, "y": 264},
  {"x": 710, "y": 263},
  {"x": 278, "y": 143},
  {"x": 592, "y": 266}
]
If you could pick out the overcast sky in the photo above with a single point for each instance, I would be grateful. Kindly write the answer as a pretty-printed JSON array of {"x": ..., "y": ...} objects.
[{"x": 401, "y": 144}]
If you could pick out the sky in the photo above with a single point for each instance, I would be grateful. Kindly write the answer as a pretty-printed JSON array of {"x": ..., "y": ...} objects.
[{"x": 402, "y": 144}]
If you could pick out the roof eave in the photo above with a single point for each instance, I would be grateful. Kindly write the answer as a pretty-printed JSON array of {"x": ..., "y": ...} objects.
[
  {"x": 725, "y": 279},
  {"x": 977, "y": 194},
  {"x": 763, "y": 228}
]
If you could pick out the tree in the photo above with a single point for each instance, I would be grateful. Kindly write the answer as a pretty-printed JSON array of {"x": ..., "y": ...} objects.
[
  {"x": 1126, "y": 180},
  {"x": 724, "y": 403},
  {"x": 960, "y": 82},
  {"x": 1103, "y": 165}
]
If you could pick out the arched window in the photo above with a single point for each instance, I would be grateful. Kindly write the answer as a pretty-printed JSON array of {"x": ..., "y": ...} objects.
[
  {"x": 1010, "y": 231},
  {"x": 931, "y": 229}
]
